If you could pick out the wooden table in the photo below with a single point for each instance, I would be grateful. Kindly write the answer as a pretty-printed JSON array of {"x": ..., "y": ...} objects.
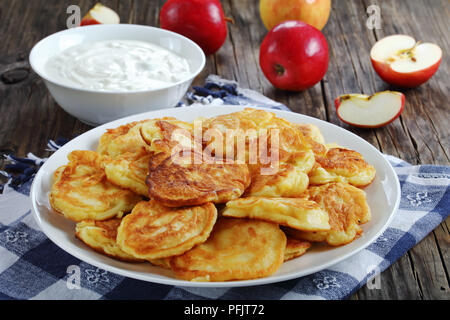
[{"x": 29, "y": 116}]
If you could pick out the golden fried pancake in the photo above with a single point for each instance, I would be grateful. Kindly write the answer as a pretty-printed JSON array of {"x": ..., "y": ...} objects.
[
  {"x": 155, "y": 160},
  {"x": 101, "y": 236},
  {"x": 129, "y": 170},
  {"x": 314, "y": 138},
  {"x": 291, "y": 139},
  {"x": 295, "y": 248},
  {"x": 347, "y": 208},
  {"x": 287, "y": 182},
  {"x": 179, "y": 181},
  {"x": 81, "y": 191},
  {"x": 303, "y": 160},
  {"x": 343, "y": 165},
  {"x": 163, "y": 135},
  {"x": 287, "y": 177},
  {"x": 242, "y": 120},
  {"x": 123, "y": 139},
  {"x": 297, "y": 213},
  {"x": 233, "y": 131},
  {"x": 152, "y": 231},
  {"x": 311, "y": 131},
  {"x": 238, "y": 249}
]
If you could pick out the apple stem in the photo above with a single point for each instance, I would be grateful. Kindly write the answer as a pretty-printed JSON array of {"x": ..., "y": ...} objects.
[{"x": 229, "y": 19}]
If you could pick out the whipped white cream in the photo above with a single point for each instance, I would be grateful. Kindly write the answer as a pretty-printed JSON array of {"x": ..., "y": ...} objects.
[{"x": 117, "y": 65}]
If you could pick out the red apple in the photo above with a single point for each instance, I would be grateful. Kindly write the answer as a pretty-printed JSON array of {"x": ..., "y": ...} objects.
[
  {"x": 100, "y": 14},
  {"x": 294, "y": 56},
  {"x": 202, "y": 21},
  {"x": 372, "y": 111},
  {"x": 313, "y": 12},
  {"x": 401, "y": 61}
]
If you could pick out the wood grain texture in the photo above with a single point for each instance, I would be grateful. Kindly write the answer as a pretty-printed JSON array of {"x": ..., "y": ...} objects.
[{"x": 421, "y": 135}]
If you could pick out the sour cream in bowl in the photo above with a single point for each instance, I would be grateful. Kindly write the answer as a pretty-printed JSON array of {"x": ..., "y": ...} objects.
[{"x": 101, "y": 73}]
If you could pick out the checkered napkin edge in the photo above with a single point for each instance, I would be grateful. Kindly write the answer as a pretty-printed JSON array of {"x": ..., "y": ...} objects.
[{"x": 32, "y": 267}]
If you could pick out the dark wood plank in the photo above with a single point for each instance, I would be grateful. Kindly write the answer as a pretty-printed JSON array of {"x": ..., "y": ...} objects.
[
  {"x": 426, "y": 106},
  {"x": 395, "y": 284},
  {"x": 349, "y": 42},
  {"x": 424, "y": 121},
  {"x": 442, "y": 235},
  {"x": 350, "y": 71}
]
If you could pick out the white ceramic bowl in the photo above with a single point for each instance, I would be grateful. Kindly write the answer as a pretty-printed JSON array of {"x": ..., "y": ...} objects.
[{"x": 98, "y": 107}]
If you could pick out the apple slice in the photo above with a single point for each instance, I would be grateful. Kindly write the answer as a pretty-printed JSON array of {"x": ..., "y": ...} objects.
[
  {"x": 100, "y": 14},
  {"x": 401, "y": 61},
  {"x": 372, "y": 111}
]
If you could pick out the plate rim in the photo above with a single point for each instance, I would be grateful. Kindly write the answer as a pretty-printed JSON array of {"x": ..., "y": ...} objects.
[{"x": 185, "y": 283}]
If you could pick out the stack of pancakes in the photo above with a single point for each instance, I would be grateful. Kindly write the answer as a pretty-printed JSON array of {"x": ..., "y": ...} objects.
[{"x": 157, "y": 191}]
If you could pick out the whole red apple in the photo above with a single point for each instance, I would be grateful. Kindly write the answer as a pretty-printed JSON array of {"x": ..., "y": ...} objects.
[
  {"x": 294, "y": 56},
  {"x": 202, "y": 21}
]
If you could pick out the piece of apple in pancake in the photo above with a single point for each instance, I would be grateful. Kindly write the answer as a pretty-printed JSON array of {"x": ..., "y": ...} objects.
[
  {"x": 297, "y": 213},
  {"x": 81, "y": 191},
  {"x": 237, "y": 249}
]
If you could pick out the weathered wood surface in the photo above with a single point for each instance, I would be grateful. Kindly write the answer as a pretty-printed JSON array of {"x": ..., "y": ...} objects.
[{"x": 29, "y": 116}]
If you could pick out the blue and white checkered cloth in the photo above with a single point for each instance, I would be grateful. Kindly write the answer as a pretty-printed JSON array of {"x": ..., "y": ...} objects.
[{"x": 32, "y": 267}]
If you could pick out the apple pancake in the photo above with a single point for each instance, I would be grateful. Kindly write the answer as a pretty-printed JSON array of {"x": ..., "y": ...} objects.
[
  {"x": 311, "y": 131},
  {"x": 347, "y": 208},
  {"x": 180, "y": 181},
  {"x": 290, "y": 138},
  {"x": 286, "y": 177},
  {"x": 287, "y": 182},
  {"x": 342, "y": 165},
  {"x": 129, "y": 170},
  {"x": 229, "y": 132},
  {"x": 295, "y": 248},
  {"x": 313, "y": 137},
  {"x": 163, "y": 135},
  {"x": 101, "y": 236},
  {"x": 81, "y": 191},
  {"x": 237, "y": 249},
  {"x": 123, "y": 139},
  {"x": 297, "y": 213},
  {"x": 152, "y": 231},
  {"x": 242, "y": 120}
]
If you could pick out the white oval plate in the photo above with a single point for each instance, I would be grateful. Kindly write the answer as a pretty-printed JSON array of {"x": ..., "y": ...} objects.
[{"x": 383, "y": 197}]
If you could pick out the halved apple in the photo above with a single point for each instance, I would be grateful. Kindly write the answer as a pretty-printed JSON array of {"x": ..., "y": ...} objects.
[
  {"x": 401, "y": 61},
  {"x": 372, "y": 111},
  {"x": 100, "y": 14}
]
